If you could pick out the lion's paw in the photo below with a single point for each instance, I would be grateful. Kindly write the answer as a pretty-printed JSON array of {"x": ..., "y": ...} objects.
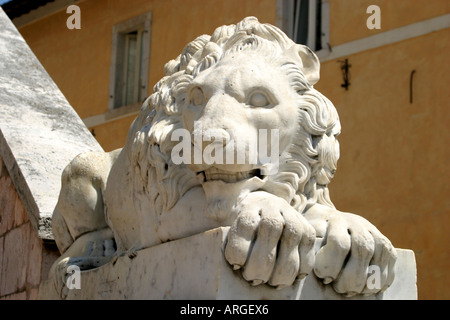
[
  {"x": 270, "y": 241},
  {"x": 95, "y": 254},
  {"x": 356, "y": 258}
]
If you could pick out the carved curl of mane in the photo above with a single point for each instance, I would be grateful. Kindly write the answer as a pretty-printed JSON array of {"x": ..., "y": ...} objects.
[{"x": 306, "y": 167}]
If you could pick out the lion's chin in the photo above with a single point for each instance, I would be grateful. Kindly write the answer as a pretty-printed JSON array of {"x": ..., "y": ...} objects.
[
  {"x": 222, "y": 196},
  {"x": 215, "y": 174}
]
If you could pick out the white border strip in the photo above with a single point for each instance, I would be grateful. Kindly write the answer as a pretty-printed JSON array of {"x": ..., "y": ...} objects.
[
  {"x": 113, "y": 115},
  {"x": 389, "y": 37},
  {"x": 100, "y": 119}
]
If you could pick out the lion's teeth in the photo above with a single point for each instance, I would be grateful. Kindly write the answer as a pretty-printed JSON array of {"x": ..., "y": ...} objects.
[
  {"x": 243, "y": 175},
  {"x": 215, "y": 174}
]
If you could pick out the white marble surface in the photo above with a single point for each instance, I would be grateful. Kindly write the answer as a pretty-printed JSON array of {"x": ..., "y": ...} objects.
[{"x": 195, "y": 268}]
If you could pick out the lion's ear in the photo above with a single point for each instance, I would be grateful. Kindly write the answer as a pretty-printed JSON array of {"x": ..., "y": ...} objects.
[{"x": 309, "y": 62}]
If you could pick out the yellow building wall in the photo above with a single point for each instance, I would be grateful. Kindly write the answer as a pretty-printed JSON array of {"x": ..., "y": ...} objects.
[
  {"x": 393, "y": 153},
  {"x": 393, "y": 168}
]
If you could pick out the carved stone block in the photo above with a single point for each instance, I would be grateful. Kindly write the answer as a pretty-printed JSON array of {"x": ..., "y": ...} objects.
[{"x": 195, "y": 268}]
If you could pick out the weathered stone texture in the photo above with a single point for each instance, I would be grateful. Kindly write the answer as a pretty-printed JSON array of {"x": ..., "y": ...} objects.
[
  {"x": 195, "y": 268},
  {"x": 21, "y": 250}
]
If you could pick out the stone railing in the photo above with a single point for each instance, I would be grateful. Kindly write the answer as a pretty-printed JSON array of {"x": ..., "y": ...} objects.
[
  {"x": 39, "y": 134},
  {"x": 39, "y": 130}
]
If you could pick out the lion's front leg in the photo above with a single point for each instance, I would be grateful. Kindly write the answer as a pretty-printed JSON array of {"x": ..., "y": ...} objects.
[
  {"x": 352, "y": 249},
  {"x": 270, "y": 241}
]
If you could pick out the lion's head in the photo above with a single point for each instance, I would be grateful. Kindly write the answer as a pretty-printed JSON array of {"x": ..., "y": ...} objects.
[{"x": 243, "y": 78}]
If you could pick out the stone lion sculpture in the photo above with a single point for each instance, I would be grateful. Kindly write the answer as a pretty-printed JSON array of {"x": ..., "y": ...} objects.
[{"x": 225, "y": 88}]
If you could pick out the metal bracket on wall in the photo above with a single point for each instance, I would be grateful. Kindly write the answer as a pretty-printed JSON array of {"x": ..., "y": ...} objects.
[
  {"x": 345, "y": 66},
  {"x": 411, "y": 76}
]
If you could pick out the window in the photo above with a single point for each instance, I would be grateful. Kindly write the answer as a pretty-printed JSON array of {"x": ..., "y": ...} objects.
[
  {"x": 306, "y": 22},
  {"x": 130, "y": 62},
  {"x": 132, "y": 68}
]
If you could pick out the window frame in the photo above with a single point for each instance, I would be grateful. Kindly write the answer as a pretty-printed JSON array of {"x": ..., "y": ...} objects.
[
  {"x": 285, "y": 21},
  {"x": 141, "y": 23}
]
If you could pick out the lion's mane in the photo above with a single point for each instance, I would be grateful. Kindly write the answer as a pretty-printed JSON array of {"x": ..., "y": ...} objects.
[{"x": 305, "y": 168}]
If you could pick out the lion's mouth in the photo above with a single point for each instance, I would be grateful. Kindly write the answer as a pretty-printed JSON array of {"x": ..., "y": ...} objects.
[{"x": 212, "y": 174}]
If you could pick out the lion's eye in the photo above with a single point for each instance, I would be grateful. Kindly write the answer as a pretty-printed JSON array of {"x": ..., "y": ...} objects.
[
  {"x": 196, "y": 96},
  {"x": 258, "y": 100}
]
